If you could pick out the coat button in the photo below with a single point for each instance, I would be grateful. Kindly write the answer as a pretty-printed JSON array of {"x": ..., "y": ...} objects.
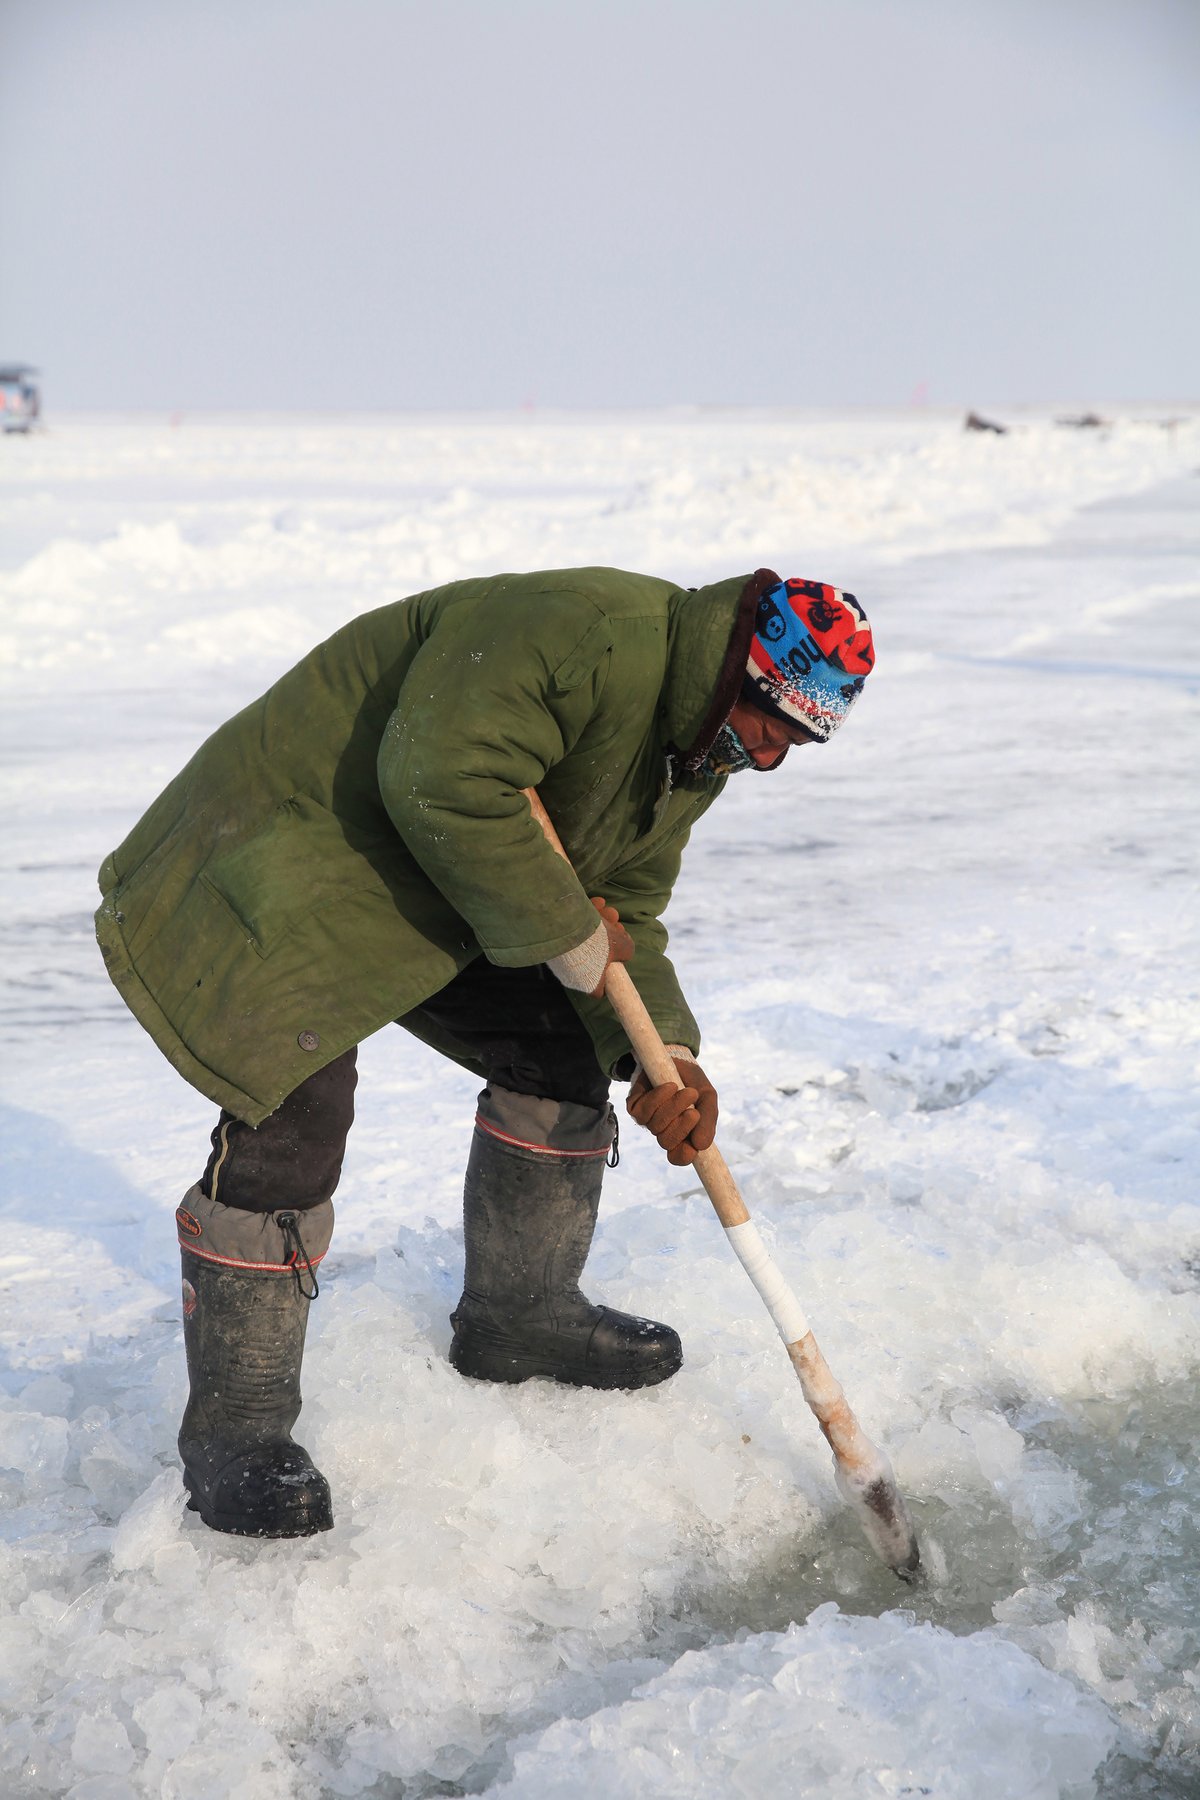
[{"x": 308, "y": 1040}]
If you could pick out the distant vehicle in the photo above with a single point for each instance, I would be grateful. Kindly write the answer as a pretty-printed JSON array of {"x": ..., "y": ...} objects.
[{"x": 20, "y": 400}]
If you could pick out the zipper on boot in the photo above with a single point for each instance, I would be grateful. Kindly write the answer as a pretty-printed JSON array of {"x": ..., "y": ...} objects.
[{"x": 289, "y": 1225}]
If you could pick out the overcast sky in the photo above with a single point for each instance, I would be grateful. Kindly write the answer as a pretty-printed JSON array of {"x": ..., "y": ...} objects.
[{"x": 378, "y": 203}]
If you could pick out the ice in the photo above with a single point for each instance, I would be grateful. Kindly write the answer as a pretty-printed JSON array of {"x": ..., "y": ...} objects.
[
  {"x": 149, "y": 1526},
  {"x": 33, "y": 1446},
  {"x": 169, "y": 1718},
  {"x": 835, "y": 1708},
  {"x": 101, "y": 1745},
  {"x": 946, "y": 971}
]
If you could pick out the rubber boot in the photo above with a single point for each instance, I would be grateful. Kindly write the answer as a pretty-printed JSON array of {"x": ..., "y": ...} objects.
[
  {"x": 248, "y": 1281},
  {"x": 529, "y": 1214}
]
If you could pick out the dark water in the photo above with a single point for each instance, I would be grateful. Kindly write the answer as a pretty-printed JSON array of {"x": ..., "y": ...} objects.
[{"x": 1131, "y": 1562}]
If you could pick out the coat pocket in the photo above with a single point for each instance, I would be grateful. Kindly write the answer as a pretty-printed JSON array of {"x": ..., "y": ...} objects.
[{"x": 298, "y": 861}]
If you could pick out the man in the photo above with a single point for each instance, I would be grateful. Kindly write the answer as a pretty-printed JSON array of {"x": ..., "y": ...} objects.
[{"x": 355, "y": 848}]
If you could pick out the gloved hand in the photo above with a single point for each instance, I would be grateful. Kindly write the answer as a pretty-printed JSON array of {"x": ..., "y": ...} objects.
[{"x": 684, "y": 1120}]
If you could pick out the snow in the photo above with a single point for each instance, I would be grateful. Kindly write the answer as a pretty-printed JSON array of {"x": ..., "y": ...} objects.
[
  {"x": 946, "y": 968},
  {"x": 933, "y": 1714}
]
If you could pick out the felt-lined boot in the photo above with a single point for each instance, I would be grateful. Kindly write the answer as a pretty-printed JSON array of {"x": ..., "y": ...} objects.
[
  {"x": 530, "y": 1202},
  {"x": 248, "y": 1281}
]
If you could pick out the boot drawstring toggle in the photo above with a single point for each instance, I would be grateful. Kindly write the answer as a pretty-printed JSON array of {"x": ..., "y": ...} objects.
[{"x": 298, "y": 1256}]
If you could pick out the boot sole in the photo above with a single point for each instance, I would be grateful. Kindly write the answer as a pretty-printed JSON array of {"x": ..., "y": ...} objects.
[
  {"x": 233, "y": 1526},
  {"x": 480, "y": 1366}
]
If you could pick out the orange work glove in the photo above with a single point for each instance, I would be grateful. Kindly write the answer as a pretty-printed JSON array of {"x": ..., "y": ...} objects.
[{"x": 684, "y": 1119}]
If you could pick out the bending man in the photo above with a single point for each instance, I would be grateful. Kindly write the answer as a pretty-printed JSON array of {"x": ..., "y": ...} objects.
[{"x": 354, "y": 848}]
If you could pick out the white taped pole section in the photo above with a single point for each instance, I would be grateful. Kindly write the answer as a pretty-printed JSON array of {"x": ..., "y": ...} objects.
[{"x": 764, "y": 1272}]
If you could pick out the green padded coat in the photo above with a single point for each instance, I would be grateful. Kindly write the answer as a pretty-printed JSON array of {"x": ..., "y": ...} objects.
[{"x": 343, "y": 847}]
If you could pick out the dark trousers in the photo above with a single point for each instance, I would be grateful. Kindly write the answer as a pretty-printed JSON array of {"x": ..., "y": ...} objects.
[{"x": 517, "y": 1025}]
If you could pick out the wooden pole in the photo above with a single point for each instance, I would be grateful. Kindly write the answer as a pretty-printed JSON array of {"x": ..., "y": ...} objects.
[{"x": 864, "y": 1475}]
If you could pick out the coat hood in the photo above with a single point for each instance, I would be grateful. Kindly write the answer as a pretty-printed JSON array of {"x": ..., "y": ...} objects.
[{"x": 708, "y": 627}]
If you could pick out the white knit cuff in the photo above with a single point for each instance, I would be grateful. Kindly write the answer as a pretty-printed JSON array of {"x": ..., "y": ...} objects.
[
  {"x": 676, "y": 1052},
  {"x": 582, "y": 967}
]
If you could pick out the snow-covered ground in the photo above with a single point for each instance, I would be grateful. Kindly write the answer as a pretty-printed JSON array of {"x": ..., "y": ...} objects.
[{"x": 947, "y": 969}]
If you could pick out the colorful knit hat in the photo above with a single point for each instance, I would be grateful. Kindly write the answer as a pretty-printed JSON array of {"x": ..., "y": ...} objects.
[{"x": 809, "y": 656}]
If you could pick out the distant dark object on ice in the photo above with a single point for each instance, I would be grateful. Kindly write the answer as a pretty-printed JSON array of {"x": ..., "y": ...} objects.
[
  {"x": 975, "y": 422},
  {"x": 1087, "y": 421},
  {"x": 20, "y": 401}
]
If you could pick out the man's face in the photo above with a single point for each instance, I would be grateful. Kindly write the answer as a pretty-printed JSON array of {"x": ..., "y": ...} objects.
[{"x": 767, "y": 739}]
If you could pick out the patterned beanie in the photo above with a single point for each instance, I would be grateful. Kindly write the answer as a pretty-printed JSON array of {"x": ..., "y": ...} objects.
[{"x": 809, "y": 656}]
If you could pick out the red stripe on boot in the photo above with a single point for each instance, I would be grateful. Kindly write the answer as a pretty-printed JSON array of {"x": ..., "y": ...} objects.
[
  {"x": 232, "y": 1262},
  {"x": 523, "y": 1144}
]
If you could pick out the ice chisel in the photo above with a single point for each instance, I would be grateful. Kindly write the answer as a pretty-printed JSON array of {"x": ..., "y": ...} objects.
[{"x": 863, "y": 1473}]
